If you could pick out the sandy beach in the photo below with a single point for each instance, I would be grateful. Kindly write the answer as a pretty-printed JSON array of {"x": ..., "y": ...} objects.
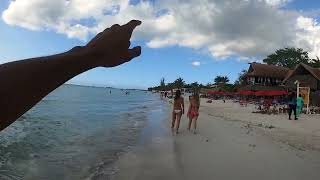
[{"x": 232, "y": 143}]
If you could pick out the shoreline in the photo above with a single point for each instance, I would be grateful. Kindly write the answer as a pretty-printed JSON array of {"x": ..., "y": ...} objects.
[
  {"x": 229, "y": 137},
  {"x": 153, "y": 157}
]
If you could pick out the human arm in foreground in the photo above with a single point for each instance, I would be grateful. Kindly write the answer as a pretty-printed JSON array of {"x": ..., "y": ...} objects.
[{"x": 24, "y": 83}]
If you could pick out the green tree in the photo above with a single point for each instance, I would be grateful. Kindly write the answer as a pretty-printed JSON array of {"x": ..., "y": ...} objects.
[
  {"x": 179, "y": 83},
  {"x": 195, "y": 86},
  {"x": 202, "y": 86},
  {"x": 288, "y": 57},
  {"x": 187, "y": 86},
  {"x": 228, "y": 88},
  {"x": 162, "y": 83},
  {"x": 241, "y": 79},
  {"x": 315, "y": 63},
  {"x": 169, "y": 86},
  {"x": 221, "y": 80}
]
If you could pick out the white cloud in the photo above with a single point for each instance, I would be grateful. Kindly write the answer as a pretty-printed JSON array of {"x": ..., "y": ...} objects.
[
  {"x": 308, "y": 35},
  {"x": 196, "y": 63},
  {"x": 244, "y": 28},
  {"x": 277, "y": 2}
]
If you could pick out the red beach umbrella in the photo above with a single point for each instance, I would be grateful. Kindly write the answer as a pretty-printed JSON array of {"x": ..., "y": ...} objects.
[
  {"x": 246, "y": 93},
  {"x": 271, "y": 93}
]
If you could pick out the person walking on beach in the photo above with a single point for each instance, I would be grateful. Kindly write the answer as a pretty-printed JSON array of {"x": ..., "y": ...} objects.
[
  {"x": 300, "y": 103},
  {"x": 178, "y": 110},
  {"x": 193, "y": 111},
  {"x": 292, "y": 104}
]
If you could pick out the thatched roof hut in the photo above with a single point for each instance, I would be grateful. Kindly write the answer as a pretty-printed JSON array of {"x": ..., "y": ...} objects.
[{"x": 265, "y": 70}]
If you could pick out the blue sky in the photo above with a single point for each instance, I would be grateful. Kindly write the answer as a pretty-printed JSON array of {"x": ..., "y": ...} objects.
[{"x": 171, "y": 61}]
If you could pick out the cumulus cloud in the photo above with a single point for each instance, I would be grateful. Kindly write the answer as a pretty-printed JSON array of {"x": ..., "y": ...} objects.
[
  {"x": 223, "y": 28},
  {"x": 196, "y": 63},
  {"x": 277, "y": 2}
]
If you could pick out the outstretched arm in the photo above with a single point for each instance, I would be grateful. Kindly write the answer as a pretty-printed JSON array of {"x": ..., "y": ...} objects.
[{"x": 24, "y": 83}]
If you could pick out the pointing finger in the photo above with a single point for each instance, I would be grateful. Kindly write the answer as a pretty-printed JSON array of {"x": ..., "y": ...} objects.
[{"x": 130, "y": 26}]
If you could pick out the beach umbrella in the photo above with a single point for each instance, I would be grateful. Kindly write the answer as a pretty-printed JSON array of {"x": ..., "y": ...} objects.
[
  {"x": 213, "y": 92},
  {"x": 261, "y": 93},
  {"x": 277, "y": 93},
  {"x": 271, "y": 93},
  {"x": 246, "y": 93}
]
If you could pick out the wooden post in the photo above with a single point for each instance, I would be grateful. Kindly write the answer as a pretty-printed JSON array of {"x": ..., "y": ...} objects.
[
  {"x": 308, "y": 100},
  {"x": 298, "y": 85}
]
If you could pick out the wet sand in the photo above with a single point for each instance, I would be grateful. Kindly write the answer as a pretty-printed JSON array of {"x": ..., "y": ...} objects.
[{"x": 232, "y": 143}]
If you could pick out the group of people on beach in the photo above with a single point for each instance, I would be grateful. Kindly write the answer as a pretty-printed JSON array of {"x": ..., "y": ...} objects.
[
  {"x": 295, "y": 105},
  {"x": 179, "y": 110}
]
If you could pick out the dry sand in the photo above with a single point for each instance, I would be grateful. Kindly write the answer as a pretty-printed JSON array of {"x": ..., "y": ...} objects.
[
  {"x": 303, "y": 134},
  {"x": 232, "y": 143}
]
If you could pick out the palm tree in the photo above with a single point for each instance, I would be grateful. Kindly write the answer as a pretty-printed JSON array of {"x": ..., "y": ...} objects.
[
  {"x": 179, "y": 83},
  {"x": 241, "y": 78},
  {"x": 195, "y": 87},
  {"x": 162, "y": 83},
  {"x": 221, "y": 80},
  {"x": 195, "y": 84}
]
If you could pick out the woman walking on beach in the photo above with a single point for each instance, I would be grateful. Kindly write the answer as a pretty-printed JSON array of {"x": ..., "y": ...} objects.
[
  {"x": 178, "y": 110},
  {"x": 193, "y": 111}
]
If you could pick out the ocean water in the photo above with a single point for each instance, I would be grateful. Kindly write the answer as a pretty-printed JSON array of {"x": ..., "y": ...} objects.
[{"x": 76, "y": 133}]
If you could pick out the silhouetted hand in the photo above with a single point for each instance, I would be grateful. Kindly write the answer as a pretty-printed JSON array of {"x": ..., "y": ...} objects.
[
  {"x": 111, "y": 47},
  {"x": 28, "y": 81}
]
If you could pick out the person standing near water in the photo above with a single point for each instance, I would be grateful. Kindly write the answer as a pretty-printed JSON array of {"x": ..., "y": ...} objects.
[
  {"x": 300, "y": 103},
  {"x": 292, "y": 105},
  {"x": 193, "y": 111},
  {"x": 178, "y": 110}
]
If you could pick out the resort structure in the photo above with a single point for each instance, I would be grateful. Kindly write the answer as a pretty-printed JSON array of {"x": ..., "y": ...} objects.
[
  {"x": 271, "y": 80},
  {"x": 306, "y": 75},
  {"x": 265, "y": 77}
]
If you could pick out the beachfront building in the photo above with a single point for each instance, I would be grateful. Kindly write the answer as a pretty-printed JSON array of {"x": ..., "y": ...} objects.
[
  {"x": 307, "y": 77},
  {"x": 265, "y": 77}
]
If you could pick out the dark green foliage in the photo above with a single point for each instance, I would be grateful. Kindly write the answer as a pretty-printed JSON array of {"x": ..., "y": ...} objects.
[
  {"x": 221, "y": 80},
  {"x": 288, "y": 57},
  {"x": 241, "y": 78}
]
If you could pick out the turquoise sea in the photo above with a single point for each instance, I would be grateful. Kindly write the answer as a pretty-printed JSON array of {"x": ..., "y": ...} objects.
[{"x": 77, "y": 132}]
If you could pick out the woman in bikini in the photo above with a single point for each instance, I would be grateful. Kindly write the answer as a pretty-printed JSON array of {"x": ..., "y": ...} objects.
[
  {"x": 193, "y": 111},
  {"x": 178, "y": 110}
]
